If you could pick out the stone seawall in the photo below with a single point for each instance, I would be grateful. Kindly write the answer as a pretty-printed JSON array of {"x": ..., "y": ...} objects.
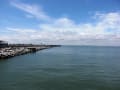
[{"x": 12, "y": 51}]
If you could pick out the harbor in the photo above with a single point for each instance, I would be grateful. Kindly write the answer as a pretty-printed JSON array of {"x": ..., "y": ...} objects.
[{"x": 12, "y": 50}]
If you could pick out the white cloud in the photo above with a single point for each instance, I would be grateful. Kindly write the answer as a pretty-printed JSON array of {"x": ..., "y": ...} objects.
[
  {"x": 106, "y": 30},
  {"x": 32, "y": 9}
]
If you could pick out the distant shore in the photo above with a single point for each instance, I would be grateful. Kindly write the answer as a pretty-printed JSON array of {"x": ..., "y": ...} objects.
[{"x": 20, "y": 49}]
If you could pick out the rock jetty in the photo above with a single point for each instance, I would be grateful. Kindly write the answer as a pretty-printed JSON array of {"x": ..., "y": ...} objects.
[{"x": 16, "y": 50}]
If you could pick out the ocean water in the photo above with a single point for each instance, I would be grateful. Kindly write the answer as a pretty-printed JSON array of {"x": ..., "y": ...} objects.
[{"x": 63, "y": 68}]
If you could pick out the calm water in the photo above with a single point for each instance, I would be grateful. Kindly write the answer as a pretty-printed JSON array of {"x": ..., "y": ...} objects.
[{"x": 63, "y": 68}]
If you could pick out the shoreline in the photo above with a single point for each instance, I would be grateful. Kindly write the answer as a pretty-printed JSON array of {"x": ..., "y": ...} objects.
[{"x": 17, "y": 50}]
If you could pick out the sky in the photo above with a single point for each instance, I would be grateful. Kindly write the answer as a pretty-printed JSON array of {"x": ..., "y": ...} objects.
[{"x": 64, "y": 22}]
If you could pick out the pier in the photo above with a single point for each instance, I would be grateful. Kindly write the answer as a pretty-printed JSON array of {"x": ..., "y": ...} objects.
[{"x": 20, "y": 49}]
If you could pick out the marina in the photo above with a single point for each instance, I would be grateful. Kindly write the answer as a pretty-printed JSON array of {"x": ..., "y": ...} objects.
[{"x": 20, "y": 49}]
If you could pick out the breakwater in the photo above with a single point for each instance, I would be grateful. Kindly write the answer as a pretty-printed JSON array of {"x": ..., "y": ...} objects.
[{"x": 16, "y": 50}]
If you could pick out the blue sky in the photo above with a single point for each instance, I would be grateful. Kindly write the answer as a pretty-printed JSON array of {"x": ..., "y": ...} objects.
[{"x": 78, "y": 22}]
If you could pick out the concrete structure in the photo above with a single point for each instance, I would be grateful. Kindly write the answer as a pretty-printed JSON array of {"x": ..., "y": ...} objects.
[{"x": 3, "y": 44}]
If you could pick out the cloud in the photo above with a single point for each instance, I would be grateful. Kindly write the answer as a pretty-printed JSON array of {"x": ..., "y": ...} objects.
[
  {"x": 104, "y": 30},
  {"x": 32, "y": 10}
]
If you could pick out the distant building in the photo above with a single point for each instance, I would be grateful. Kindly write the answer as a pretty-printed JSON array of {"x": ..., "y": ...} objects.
[{"x": 3, "y": 44}]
